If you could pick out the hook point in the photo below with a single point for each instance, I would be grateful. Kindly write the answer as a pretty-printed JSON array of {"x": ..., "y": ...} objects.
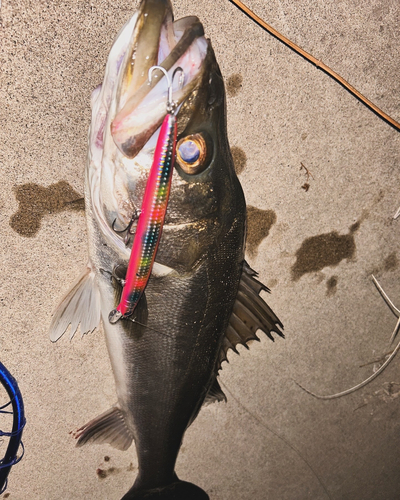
[{"x": 171, "y": 105}]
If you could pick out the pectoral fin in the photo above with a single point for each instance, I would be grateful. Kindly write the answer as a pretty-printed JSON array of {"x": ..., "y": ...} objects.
[
  {"x": 250, "y": 313},
  {"x": 81, "y": 306}
]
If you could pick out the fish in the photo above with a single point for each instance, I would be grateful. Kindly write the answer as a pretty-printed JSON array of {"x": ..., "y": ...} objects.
[{"x": 202, "y": 299}]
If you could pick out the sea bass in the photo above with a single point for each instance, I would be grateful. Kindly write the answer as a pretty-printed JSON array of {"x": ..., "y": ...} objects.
[{"x": 202, "y": 298}]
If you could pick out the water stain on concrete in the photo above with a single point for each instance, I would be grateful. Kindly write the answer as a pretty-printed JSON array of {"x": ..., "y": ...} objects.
[
  {"x": 355, "y": 227},
  {"x": 324, "y": 250},
  {"x": 391, "y": 262},
  {"x": 234, "y": 84},
  {"x": 35, "y": 201},
  {"x": 103, "y": 473},
  {"x": 239, "y": 159},
  {"x": 331, "y": 286},
  {"x": 259, "y": 223}
]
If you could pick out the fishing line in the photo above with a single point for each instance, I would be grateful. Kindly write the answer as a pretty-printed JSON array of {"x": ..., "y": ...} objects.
[
  {"x": 293, "y": 448},
  {"x": 133, "y": 320},
  {"x": 319, "y": 64},
  {"x": 385, "y": 364},
  {"x": 149, "y": 327},
  {"x": 356, "y": 387}
]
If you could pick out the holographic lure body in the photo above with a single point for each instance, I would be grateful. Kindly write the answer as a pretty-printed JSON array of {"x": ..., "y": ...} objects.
[{"x": 150, "y": 221}]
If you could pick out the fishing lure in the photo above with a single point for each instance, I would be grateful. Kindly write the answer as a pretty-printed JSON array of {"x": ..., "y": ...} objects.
[
  {"x": 154, "y": 207},
  {"x": 17, "y": 404}
]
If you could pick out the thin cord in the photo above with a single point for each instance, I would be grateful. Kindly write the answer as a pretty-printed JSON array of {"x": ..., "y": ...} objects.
[{"x": 317, "y": 63}]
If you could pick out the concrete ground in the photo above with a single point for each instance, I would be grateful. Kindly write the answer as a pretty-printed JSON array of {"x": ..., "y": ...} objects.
[{"x": 315, "y": 246}]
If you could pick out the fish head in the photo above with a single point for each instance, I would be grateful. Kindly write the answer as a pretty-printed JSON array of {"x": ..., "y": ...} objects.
[{"x": 127, "y": 111}]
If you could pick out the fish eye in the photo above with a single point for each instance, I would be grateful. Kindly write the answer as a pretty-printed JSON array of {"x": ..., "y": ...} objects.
[{"x": 191, "y": 153}]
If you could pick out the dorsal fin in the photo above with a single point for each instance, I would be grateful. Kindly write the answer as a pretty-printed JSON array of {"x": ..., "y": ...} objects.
[
  {"x": 215, "y": 394},
  {"x": 250, "y": 313}
]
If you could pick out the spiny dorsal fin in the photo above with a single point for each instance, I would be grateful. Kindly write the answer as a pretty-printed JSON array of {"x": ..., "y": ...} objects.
[
  {"x": 109, "y": 427},
  {"x": 81, "y": 305},
  {"x": 250, "y": 313}
]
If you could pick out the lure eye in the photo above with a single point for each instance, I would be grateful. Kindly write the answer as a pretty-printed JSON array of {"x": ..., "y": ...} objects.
[{"x": 191, "y": 154}]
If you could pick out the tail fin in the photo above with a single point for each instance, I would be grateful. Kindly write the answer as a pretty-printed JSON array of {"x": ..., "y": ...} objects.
[{"x": 179, "y": 490}]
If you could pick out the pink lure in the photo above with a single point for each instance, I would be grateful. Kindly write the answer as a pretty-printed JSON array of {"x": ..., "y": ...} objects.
[{"x": 150, "y": 221}]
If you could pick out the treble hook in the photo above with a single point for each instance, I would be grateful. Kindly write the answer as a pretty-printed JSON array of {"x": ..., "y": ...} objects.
[
  {"x": 171, "y": 104},
  {"x": 128, "y": 228}
]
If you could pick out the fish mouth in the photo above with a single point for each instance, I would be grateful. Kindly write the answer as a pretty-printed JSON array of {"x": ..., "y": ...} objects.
[{"x": 155, "y": 40}]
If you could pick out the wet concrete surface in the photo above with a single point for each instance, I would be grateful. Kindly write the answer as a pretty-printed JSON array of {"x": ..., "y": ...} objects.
[{"x": 271, "y": 440}]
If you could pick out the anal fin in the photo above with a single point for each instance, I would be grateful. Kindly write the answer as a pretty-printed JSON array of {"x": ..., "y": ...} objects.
[
  {"x": 81, "y": 305},
  {"x": 250, "y": 313},
  {"x": 109, "y": 427}
]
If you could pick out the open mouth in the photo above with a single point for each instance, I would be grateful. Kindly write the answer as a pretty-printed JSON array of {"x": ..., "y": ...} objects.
[{"x": 155, "y": 40}]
